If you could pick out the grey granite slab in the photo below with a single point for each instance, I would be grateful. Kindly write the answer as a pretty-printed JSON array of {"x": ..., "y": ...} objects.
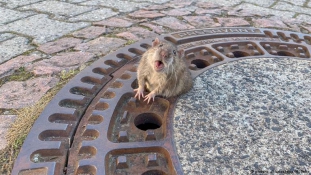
[
  {"x": 58, "y": 8},
  {"x": 247, "y": 116},
  {"x": 41, "y": 28},
  {"x": 13, "y": 47},
  {"x": 8, "y": 15}
]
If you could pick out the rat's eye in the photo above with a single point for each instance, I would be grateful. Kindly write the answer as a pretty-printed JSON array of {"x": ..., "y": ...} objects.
[{"x": 174, "y": 51}]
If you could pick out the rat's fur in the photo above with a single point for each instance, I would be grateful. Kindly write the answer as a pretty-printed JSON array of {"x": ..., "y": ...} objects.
[{"x": 171, "y": 78}]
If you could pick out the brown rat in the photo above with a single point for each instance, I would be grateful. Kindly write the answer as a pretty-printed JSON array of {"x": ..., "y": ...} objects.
[{"x": 162, "y": 71}]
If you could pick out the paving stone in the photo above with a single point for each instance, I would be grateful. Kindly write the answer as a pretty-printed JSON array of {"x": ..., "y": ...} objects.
[
  {"x": 8, "y": 15},
  {"x": 304, "y": 18},
  {"x": 122, "y": 6},
  {"x": 76, "y": 1},
  {"x": 6, "y": 36},
  {"x": 155, "y": 7},
  {"x": 190, "y": 8},
  {"x": 292, "y": 23},
  {"x": 176, "y": 12},
  {"x": 90, "y": 32},
  {"x": 95, "y": 15},
  {"x": 201, "y": 21},
  {"x": 13, "y": 47},
  {"x": 232, "y": 22},
  {"x": 173, "y": 23},
  {"x": 264, "y": 3},
  {"x": 137, "y": 33},
  {"x": 41, "y": 28},
  {"x": 290, "y": 7},
  {"x": 63, "y": 61},
  {"x": 153, "y": 1},
  {"x": 179, "y": 4},
  {"x": 308, "y": 28},
  {"x": 269, "y": 23},
  {"x": 155, "y": 28},
  {"x": 5, "y": 123},
  {"x": 258, "y": 9},
  {"x": 208, "y": 5},
  {"x": 18, "y": 3},
  {"x": 59, "y": 45},
  {"x": 114, "y": 22},
  {"x": 59, "y": 8},
  {"x": 146, "y": 14},
  {"x": 225, "y": 2},
  {"x": 296, "y": 2},
  {"x": 128, "y": 36},
  {"x": 10, "y": 66},
  {"x": 201, "y": 11},
  {"x": 101, "y": 46},
  {"x": 247, "y": 12},
  {"x": 19, "y": 94}
]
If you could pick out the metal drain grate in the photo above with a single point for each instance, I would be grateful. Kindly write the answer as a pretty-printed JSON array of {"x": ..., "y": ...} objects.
[{"x": 95, "y": 126}]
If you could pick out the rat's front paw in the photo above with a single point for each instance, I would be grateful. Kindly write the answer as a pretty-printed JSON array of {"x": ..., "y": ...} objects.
[
  {"x": 139, "y": 92},
  {"x": 150, "y": 96}
]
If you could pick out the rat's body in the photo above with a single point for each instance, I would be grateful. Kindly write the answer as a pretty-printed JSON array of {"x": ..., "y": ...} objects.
[{"x": 162, "y": 71}]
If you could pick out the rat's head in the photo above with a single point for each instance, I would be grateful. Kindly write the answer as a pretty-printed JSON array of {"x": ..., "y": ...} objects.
[{"x": 166, "y": 54}]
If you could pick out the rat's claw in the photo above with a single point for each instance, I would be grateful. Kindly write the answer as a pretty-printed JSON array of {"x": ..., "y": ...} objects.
[
  {"x": 139, "y": 92},
  {"x": 150, "y": 96}
]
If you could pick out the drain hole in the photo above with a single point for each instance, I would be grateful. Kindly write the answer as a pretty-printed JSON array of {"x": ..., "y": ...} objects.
[
  {"x": 200, "y": 63},
  {"x": 136, "y": 51},
  {"x": 146, "y": 126},
  {"x": 90, "y": 80},
  {"x": 90, "y": 134},
  {"x": 134, "y": 85},
  {"x": 116, "y": 84},
  {"x": 282, "y": 36},
  {"x": 238, "y": 54},
  {"x": 87, "y": 152},
  {"x": 124, "y": 56},
  {"x": 34, "y": 171},
  {"x": 295, "y": 38},
  {"x": 170, "y": 39},
  {"x": 53, "y": 135},
  {"x": 145, "y": 45},
  {"x": 147, "y": 121},
  {"x": 95, "y": 119},
  {"x": 307, "y": 39},
  {"x": 62, "y": 118},
  {"x": 108, "y": 95},
  {"x": 125, "y": 76},
  {"x": 46, "y": 155},
  {"x": 102, "y": 71},
  {"x": 268, "y": 33},
  {"x": 133, "y": 69},
  {"x": 102, "y": 106},
  {"x": 154, "y": 172},
  {"x": 71, "y": 103},
  {"x": 81, "y": 91},
  {"x": 86, "y": 169},
  {"x": 111, "y": 63},
  {"x": 284, "y": 53}
]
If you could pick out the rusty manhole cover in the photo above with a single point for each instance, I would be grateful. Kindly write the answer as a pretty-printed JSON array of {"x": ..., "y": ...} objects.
[{"x": 95, "y": 126}]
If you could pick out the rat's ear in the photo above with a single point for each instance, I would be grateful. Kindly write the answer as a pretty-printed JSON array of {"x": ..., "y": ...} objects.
[
  {"x": 181, "y": 53},
  {"x": 155, "y": 42}
]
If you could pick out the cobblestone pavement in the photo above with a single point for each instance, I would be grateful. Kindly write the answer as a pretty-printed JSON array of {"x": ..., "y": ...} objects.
[{"x": 45, "y": 37}]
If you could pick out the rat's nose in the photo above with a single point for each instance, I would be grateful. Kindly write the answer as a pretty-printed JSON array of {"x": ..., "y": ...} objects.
[{"x": 163, "y": 54}]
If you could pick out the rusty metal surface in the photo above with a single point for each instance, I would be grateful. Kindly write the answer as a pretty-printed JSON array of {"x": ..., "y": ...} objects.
[{"x": 95, "y": 126}]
